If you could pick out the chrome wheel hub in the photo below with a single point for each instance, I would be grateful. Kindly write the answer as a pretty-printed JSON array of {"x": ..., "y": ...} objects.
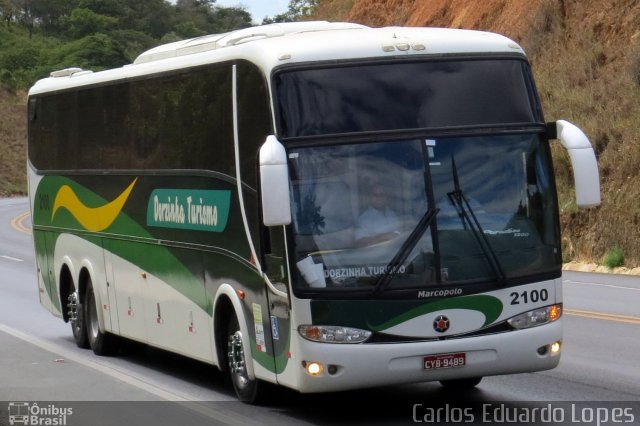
[
  {"x": 72, "y": 307},
  {"x": 237, "y": 363}
]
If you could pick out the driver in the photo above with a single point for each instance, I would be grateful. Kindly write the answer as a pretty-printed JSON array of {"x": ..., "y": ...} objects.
[{"x": 378, "y": 222}]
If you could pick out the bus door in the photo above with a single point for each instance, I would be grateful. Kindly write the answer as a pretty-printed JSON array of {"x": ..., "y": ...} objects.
[{"x": 279, "y": 317}]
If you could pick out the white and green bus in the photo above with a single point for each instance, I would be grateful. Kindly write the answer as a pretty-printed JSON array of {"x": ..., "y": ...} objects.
[{"x": 322, "y": 206}]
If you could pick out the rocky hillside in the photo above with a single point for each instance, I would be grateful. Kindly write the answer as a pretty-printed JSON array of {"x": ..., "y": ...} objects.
[{"x": 586, "y": 60}]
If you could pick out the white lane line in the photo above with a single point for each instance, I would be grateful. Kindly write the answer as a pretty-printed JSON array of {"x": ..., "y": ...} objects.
[
  {"x": 14, "y": 259},
  {"x": 601, "y": 285},
  {"x": 67, "y": 354},
  {"x": 218, "y": 416}
]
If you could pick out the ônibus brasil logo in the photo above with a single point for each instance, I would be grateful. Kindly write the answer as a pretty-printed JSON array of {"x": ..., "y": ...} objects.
[{"x": 32, "y": 414}]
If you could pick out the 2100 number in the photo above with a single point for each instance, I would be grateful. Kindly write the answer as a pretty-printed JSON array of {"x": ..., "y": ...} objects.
[{"x": 532, "y": 296}]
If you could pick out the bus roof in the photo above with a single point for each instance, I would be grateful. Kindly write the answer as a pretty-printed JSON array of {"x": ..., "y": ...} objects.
[{"x": 269, "y": 46}]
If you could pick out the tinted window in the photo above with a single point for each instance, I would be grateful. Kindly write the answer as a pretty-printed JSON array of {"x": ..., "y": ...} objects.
[
  {"x": 410, "y": 95},
  {"x": 254, "y": 124},
  {"x": 177, "y": 121},
  {"x": 254, "y": 118}
]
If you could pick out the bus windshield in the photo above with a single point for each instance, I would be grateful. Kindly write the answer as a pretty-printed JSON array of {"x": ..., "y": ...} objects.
[{"x": 357, "y": 208}]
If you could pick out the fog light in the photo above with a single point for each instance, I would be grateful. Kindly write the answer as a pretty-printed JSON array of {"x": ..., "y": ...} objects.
[
  {"x": 555, "y": 348},
  {"x": 313, "y": 368}
]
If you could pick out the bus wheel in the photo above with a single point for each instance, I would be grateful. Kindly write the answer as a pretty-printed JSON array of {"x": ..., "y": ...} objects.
[
  {"x": 246, "y": 389},
  {"x": 75, "y": 311},
  {"x": 101, "y": 343},
  {"x": 461, "y": 384}
]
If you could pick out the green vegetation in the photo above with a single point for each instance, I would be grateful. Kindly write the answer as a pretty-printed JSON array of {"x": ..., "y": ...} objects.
[
  {"x": 614, "y": 258},
  {"x": 39, "y": 36},
  {"x": 299, "y": 10}
]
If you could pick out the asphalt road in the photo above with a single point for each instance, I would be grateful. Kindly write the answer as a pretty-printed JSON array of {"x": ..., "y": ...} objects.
[{"x": 40, "y": 362}]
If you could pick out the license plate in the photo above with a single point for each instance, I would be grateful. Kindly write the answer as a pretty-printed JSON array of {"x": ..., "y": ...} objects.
[{"x": 440, "y": 361}]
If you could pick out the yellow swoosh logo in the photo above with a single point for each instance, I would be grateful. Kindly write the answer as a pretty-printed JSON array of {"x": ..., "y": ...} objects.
[{"x": 92, "y": 219}]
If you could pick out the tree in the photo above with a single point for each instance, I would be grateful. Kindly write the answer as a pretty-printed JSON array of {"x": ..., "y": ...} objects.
[
  {"x": 83, "y": 22},
  {"x": 98, "y": 34},
  {"x": 299, "y": 10},
  {"x": 25, "y": 14},
  {"x": 114, "y": 8},
  {"x": 226, "y": 19},
  {"x": 8, "y": 11},
  {"x": 49, "y": 15},
  {"x": 133, "y": 42},
  {"x": 96, "y": 51},
  {"x": 152, "y": 17},
  {"x": 200, "y": 17}
]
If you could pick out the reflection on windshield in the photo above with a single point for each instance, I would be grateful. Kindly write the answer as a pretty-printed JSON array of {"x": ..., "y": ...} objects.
[
  {"x": 471, "y": 222},
  {"x": 355, "y": 207}
]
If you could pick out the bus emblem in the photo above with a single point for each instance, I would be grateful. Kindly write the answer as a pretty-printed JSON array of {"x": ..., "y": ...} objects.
[{"x": 441, "y": 324}]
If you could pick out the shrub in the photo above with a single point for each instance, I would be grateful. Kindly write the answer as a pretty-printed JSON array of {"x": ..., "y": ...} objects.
[{"x": 614, "y": 258}]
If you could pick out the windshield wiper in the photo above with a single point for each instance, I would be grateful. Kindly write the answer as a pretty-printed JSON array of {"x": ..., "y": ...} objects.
[
  {"x": 399, "y": 258},
  {"x": 459, "y": 200}
]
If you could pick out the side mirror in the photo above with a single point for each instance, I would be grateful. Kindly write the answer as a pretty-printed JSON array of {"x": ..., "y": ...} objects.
[
  {"x": 583, "y": 162},
  {"x": 274, "y": 183}
]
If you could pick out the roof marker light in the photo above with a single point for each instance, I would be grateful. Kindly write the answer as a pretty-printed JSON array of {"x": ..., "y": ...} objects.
[
  {"x": 403, "y": 47},
  {"x": 67, "y": 72},
  {"x": 419, "y": 47},
  {"x": 388, "y": 48}
]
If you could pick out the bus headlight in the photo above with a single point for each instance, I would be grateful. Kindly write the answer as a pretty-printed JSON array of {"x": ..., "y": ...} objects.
[
  {"x": 333, "y": 334},
  {"x": 536, "y": 317}
]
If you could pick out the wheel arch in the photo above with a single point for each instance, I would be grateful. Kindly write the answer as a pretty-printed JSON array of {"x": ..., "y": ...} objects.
[
  {"x": 227, "y": 303},
  {"x": 87, "y": 273}
]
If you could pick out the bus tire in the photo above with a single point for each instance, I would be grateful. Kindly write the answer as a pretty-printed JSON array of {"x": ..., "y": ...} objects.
[
  {"x": 461, "y": 384},
  {"x": 247, "y": 390},
  {"x": 101, "y": 343},
  {"x": 75, "y": 309}
]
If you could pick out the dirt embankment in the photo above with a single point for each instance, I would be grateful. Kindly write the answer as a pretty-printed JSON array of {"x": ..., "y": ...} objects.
[
  {"x": 507, "y": 17},
  {"x": 13, "y": 135},
  {"x": 586, "y": 60},
  {"x": 612, "y": 20}
]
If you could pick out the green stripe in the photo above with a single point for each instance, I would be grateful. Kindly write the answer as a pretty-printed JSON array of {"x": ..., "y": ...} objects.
[
  {"x": 153, "y": 258},
  {"x": 490, "y": 306},
  {"x": 379, "y": 315}
]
